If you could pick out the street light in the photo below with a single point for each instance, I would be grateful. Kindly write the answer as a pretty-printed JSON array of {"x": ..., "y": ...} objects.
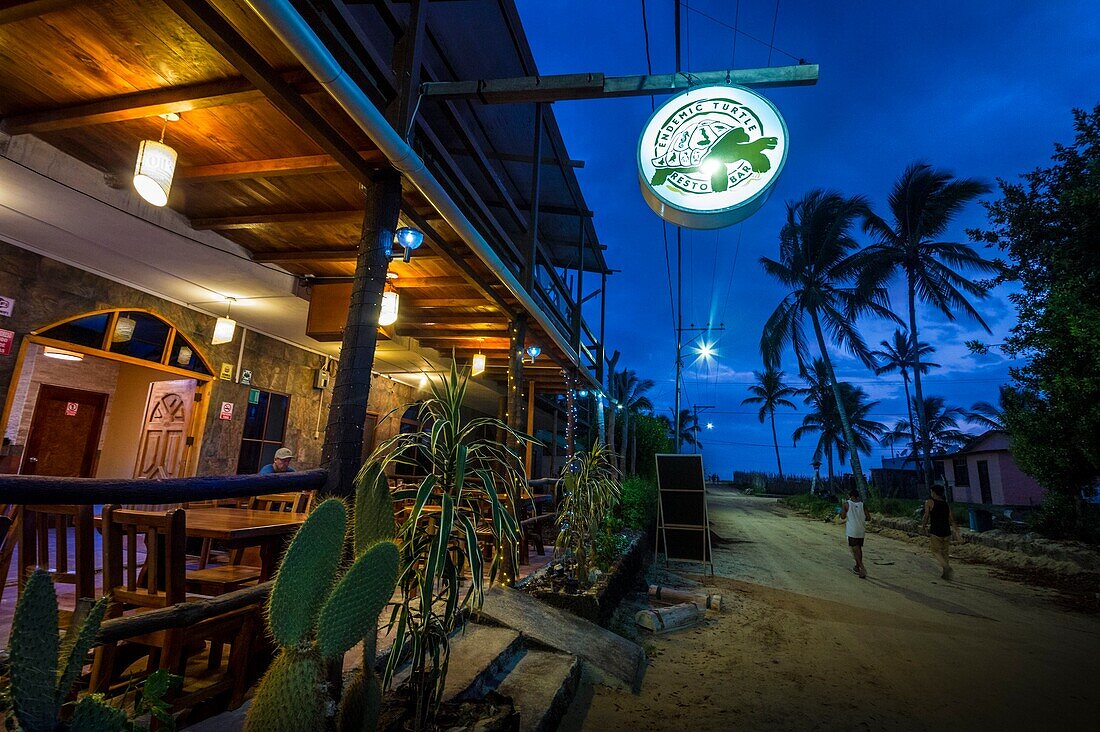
[{"x": 710, "y": 425}]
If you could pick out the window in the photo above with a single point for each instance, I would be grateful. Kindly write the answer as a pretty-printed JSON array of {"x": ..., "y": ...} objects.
[
  {"x": 962, "y": 474},
  {"x": 417, "y": 464},
  {"x": 264, "y": 429},
  {"x": 145, "y": 338}
]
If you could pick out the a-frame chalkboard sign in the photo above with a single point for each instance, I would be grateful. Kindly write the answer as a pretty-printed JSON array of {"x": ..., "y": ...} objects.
[{"x": 683, "y": 526}]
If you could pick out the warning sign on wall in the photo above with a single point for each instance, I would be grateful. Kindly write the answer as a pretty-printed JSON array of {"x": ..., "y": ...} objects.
[
  {"x": 7, "y": 338},
  {"x": 227, "y": 411},
  {"x": 71, "y": 409}
]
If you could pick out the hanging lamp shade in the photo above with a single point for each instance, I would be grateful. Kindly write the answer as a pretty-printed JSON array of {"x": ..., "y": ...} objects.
[
  {"x": 124, "y": 329},
  {"x": 156, "y": 165},
  {"x": 390, "y": 304},
  {"x": 477, "y": 366},
  {"x": 223, "y": 331}
]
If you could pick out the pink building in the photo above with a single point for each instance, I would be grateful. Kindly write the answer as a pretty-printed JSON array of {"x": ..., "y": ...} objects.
[{"x": 984, "y": 472}]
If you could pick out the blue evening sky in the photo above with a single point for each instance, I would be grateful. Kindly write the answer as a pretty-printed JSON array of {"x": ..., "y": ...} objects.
[{"x": 981, "y": 88}]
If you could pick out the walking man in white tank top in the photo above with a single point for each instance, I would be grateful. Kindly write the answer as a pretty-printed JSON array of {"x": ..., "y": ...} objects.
[{"x": 855, "y": 526}]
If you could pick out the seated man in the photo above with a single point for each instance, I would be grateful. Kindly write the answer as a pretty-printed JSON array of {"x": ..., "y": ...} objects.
[{"x": 283, "y": 456}]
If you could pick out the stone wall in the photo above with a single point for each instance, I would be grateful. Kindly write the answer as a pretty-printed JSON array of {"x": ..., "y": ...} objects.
[{"x": 46, "y": 291}]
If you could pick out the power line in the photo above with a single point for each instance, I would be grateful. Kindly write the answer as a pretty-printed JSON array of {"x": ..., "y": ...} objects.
[
  {"x": 743, "y": 33},
  {"x": 775, "y": 22}
]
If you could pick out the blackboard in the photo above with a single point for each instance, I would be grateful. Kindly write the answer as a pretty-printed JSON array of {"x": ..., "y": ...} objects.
[{"x": 683, "y": 530}]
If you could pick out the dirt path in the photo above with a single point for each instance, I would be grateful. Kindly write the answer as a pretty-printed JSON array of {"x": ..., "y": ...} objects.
[{"x": 805, "y": 644}]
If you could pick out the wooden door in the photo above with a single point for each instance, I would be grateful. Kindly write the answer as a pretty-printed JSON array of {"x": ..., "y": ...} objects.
[
  {"x": 983, "y": 481},
  {"x": 64, "y": 435},
  {"x": 164, "y": 434}
]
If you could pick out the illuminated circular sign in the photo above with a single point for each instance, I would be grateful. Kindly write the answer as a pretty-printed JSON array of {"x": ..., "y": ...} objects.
[{"x": 708, "y": 157}]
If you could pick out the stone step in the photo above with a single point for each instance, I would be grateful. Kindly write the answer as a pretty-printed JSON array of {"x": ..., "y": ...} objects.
[
  {"x": 542, "y": 686},
  {"x": 480, "y": 655},
  {"x": 612, "y": 655}
]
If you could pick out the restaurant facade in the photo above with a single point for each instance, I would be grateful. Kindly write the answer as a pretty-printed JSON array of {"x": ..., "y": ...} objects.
[{"x": 197, "y": 337}]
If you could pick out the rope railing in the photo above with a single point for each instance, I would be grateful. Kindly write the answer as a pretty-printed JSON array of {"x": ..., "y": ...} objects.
[{"x": 89, "y": 491}]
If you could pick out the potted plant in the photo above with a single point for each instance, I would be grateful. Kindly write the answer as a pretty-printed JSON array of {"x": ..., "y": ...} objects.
[{"x": 461, "y": 509}]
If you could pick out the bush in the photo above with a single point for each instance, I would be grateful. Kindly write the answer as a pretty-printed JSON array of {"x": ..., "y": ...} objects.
[
  {"x": 639, "y": 503},
  {"x": 815, "y": 506},
  {"x": 1064, "y": 517},
  {"x": 610, "y": 543}
]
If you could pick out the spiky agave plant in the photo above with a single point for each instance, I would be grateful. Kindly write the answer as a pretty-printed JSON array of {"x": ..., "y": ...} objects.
[
  {"x": 468, "y": 496},
  {"x": 591, "y": 486}
]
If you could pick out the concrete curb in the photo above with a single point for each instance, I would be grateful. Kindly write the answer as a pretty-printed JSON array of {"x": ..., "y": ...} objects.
[{"x": 1032, "y": 545}]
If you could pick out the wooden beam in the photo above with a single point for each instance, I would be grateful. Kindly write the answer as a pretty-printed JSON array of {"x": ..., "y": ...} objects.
[
  {"x": 428, "y": 317},
  {"x": 319, "y": 255},
  {"x": 216, "y": 31},
  {"x": 246, "y": 221},
  {"x": 451, "y": 335},
  {"x": 271, "y": 168},
  {"x": 139, "y": 105},
  {"x": 13, "y": 12},
  {"x": 561, "y": 87},
  {"x": 405, "y": 283},
  {"x": 444, "y": 302}
]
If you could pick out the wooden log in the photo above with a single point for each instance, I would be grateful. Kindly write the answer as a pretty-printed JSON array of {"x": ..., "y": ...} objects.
[
  {"x": 665, "y": 619},
  {"x": 182, "y": 615},
  {"x": 83, "y": 491},
  {"x": 705, "y": 600}
]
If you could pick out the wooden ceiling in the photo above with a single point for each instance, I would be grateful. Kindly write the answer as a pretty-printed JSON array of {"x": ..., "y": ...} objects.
[{"x": 266, "y": 159}]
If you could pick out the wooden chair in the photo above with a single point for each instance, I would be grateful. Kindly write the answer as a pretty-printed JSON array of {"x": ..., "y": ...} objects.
[
  {"x": 157, "y": 578},
  {"x": 73, "y": 561},
  {"x": 294, "y": 502}
]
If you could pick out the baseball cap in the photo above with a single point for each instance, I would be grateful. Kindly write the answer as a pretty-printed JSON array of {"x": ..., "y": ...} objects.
[{"x": 284, "y": 453}]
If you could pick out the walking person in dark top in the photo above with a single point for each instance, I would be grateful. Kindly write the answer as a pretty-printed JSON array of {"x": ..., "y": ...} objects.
[{"x": 940, "y": 523}]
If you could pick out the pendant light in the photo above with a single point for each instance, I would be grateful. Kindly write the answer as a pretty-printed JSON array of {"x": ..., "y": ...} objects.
[
  {"x": 225, "y": 327},
  {"x": 477, "y": 366},
  {"x": 391, "y": 302},
  {"x": 156, "y": 165},
  {"x": 124, "y": 329}
]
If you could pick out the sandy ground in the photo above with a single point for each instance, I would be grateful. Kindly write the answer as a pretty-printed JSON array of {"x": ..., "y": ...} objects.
[{"x": 805, "y": 644}]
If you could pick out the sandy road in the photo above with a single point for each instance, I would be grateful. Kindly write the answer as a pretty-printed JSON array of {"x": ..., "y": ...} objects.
[{"x": 805, "y": 644}]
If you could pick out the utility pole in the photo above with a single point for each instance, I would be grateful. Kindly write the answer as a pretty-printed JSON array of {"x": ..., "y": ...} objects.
[
  {"x": 696, "y": 408},
  {"x": 680, "y": 330},
  {"x": 679, "y": 276}
]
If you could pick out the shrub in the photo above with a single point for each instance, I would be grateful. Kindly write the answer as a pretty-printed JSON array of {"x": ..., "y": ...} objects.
[
  {"x": 1063, "y": 517},
  {"x": 590, "y": 490},
  {"x": 639, "y": 503},
  {"x": 610, "y": 543},
  {"x": 815, "y": 506}
]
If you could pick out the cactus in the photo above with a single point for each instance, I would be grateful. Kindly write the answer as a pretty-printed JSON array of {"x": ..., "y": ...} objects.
[
  {"x": 43, "y": 668},
  {"x": 373, "y": 507},
  {"x": 316, "y": 617},
  {"x": 351, "y": 611},
  {"x": 307, "y": 573},
  {"x": 92, "y": 714},
  {"x": 291, "y": 695},
  {"x": 361, "y": 704}
]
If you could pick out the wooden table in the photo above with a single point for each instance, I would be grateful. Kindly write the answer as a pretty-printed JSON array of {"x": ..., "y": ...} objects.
[{"x": 239, "y": 528}]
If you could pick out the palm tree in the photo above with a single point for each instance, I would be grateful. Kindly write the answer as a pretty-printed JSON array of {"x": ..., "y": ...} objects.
[
  {"x": 770, "y": 393},
  {"x": 824, "y": 421},
  {"x": 922, "y": 203},
  {"x": 942, "y": 424},
  {"x": 989, "y": 416},
  {"x": 689, "y": 429},
  {"x": 628, "y": 397},
  {"x": 900, "y": 355},
  {"x": 817, "y": 264}
]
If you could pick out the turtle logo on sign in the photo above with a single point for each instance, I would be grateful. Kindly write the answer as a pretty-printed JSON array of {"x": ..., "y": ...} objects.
[{"x": 708, "y": 157}]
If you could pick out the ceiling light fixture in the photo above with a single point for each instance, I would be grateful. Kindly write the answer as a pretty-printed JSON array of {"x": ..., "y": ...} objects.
[
  {"x": 410, "y": 240},
  {"x": 62, "y": 355},
  {"x": 225, "y": 327},
  {"x": 156, "y": 166}
]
